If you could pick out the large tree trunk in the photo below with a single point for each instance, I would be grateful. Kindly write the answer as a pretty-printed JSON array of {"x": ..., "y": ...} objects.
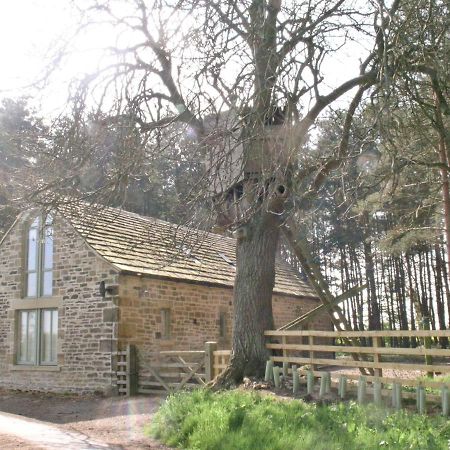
[{"x": 255, "y": 278}]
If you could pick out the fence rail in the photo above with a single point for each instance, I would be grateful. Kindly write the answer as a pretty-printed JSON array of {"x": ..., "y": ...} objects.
[
  {"x": 168, "y": 371},
  {"x": 380, "y": 353},
  {"x": 360, "y": 334}
]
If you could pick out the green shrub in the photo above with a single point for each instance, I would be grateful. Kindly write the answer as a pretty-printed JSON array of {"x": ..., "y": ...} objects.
[{"x": 237, "y": 420}]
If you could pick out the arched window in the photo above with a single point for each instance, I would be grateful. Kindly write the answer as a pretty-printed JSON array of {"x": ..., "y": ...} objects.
[{"x": 39, "y": 260}]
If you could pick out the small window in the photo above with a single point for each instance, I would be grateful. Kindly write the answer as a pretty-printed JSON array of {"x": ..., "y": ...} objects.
[
  {"x": 222, "y": 324},
  {"x": 39, "y": 260},
  {"x": 165, "y": 323},
  {"x": 37, "y": 337}
]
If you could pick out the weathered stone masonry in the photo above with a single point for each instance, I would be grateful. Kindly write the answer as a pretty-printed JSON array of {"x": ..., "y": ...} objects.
[
  {"x": 91, "y": 328},
  {"x": 195, "y": 311},
  {"x": 86, "y": 327}
]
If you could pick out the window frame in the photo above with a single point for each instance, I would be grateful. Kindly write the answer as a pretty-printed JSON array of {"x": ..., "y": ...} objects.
[
  {"x": 222, "y": 324},
  {"x": 38, "y": 359},
  {"x": 166, "y": 323},
  {"x": 42, "y": 224}
]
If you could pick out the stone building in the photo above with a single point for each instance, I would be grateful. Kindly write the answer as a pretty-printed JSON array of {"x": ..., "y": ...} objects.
[{"x": 78, "y": 285}]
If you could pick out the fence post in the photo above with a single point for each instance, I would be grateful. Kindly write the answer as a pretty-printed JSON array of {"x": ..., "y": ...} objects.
[
  {"x": 361, "y": 389},
  {"x": 295, "y": 380},
  {"x": 131, "y": 370},
  {"x": 376, "y": 342},
  {"x": 310, "y": 382},
  {"x": 210, "y": 348},
  {"x": 323, "y": 385},
  {"x": 427, "y": 345},
  {"x": 276, "y": 377},
  {"x": 397, "y": 396},
  {"x": 422, "y": 400},
  {"x": 444, "y": 397},
  {"x": 342, "y": 386},
  {"x": 377, "y": 392},
  {"x": 285, "y": 369},
  {"x": 269, "y": 371},
  {"x": 311, "y": 351}
]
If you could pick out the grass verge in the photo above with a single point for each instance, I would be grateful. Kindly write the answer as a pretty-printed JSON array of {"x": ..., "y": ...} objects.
[{"x": 238, "y": 420}]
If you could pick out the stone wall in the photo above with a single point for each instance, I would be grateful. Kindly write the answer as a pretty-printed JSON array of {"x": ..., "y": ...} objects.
[
  {"x": 195, "y": 311},
  {"x": 87, "y": 327},
  {"x": 90, "y": 327}
]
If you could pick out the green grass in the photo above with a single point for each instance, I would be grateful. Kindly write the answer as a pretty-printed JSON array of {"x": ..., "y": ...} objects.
[{"x": 237, "y": 420}]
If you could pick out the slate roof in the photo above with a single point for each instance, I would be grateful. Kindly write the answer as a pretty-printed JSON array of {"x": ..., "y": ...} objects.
[{"x": 148, "y": 246}]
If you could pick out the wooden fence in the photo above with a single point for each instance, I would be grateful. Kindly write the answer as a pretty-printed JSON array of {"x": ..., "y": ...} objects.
[
  {"x": 221, "y": 360},
  {"x": 126, "y": 371},
  {"x": 382, "y": 356},
  {"x": 168, "y": 371},
  {"x": 390, "y": 367}
]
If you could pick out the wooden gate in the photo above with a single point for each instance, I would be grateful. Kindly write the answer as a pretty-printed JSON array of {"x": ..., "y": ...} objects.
[
  {"x": 172, "y": 371},
  {"x": 168, "y": 371}
]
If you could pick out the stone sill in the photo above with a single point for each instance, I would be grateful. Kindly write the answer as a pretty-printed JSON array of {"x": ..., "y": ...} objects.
[
  {"x": 35, "y": 303},
  {"x": 23, "y": 367}
]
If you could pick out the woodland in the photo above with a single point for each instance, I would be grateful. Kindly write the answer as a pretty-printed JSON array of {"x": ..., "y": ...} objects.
[{"x": 356, "y": 196}]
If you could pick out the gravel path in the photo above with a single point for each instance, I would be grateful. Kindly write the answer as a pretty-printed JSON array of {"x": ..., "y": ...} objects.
[
  {"x": 44, "y": 435},
  {"x": 98, "y": 423}
]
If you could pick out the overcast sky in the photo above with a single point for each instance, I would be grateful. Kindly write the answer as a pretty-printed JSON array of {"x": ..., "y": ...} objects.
[{"x": 29, "y": 27}]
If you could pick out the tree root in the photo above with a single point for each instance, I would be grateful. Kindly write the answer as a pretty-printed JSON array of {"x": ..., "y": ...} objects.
[{"x": 230, "y": 378}]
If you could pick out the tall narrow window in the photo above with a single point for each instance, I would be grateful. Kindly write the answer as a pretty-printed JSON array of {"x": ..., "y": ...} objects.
[
  {"x": 27, "y": 337},
  {"x": 37, "y": 337},
  {"x": 32, "y": 258},
  {"x": 222, "y": 324},
  {"x": 165, "y": 323},
  {"x": 48, "y": 334},
  {"x": 39, "y": 264}
]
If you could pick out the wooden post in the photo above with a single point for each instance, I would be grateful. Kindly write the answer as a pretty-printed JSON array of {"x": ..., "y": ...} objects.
[
  {"x": 327, "y": 382},
  {"x": 269, "y": 371},
  {"x": 397, "y": 396},
  {"x": 276, "y": 376},
  {"x": 285, "y": 369},
  {"x": 284, "y": 342},
  {"x": 361, "y": 389},
  {"x": 210, "y": 348},
  {"x": 445, "y": 405},
  {"x": 342, "y": 386},
  {"x": 422, "y": 400},
  {"x": 376, "y": 343},
  {"x": 295, "y": 380},
  {"x": 309, "y": 382},
  {"x": 427, "y": 345},
  {"x": 132, "y": 371},
  {"x": 394, "y": 396},
  {"x": 311, "y": 352},
  {"x": 323, "y": 385},
  {"x": 418, "y": 397},
  {"x": 377, "y": 392}
]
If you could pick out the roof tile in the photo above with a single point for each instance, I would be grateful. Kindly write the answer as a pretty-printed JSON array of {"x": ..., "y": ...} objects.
[{"x": 149, "y": 246}]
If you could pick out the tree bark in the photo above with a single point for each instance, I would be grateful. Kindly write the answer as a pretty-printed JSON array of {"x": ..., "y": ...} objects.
[
  {"x": 255, "y": 278},
  {"x": 443, "y": 158}
]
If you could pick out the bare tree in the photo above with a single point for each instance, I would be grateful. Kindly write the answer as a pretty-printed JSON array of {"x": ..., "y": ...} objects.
[{"x": 242, "y": 84}]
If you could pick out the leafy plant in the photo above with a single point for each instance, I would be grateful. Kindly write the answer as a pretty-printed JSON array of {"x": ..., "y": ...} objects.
[{"x": 203, "y": 420}]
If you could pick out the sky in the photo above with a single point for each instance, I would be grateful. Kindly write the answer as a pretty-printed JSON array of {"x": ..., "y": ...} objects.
[
  {"x": 27, "y": 29},
  {"x": 31, "y": 29}
]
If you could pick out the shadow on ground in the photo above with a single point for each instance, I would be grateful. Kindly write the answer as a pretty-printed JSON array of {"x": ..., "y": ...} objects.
[{"x": 64, "y": 409}]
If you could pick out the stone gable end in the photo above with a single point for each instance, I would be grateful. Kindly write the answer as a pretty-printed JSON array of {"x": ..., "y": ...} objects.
[{"x": 87, "y": 326}]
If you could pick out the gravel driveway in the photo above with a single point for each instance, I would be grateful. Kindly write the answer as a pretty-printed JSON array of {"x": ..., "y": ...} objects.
[{"x": 116, "y": 421}]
